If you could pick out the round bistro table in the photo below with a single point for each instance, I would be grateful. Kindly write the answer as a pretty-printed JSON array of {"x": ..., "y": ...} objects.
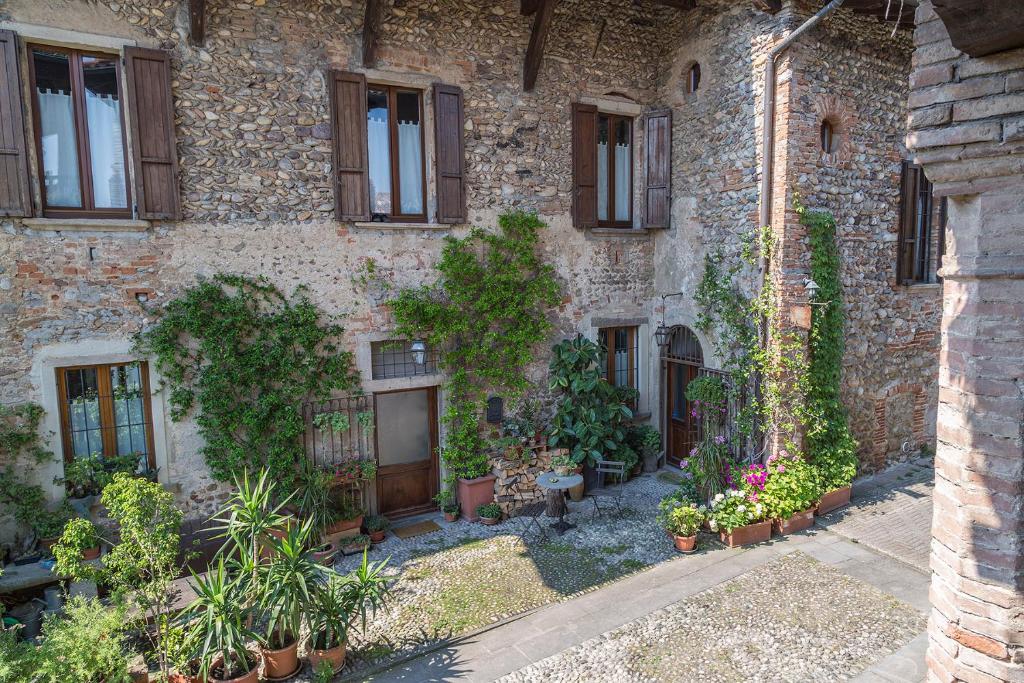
[{"x": 556, "y": 485}]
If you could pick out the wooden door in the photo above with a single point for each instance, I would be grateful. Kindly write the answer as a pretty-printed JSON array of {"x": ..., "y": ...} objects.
[
  {"x": 406, "y": 436},
  {"x": 681, "y": 426}
]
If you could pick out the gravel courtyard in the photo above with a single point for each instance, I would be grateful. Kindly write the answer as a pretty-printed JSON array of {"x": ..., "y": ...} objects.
[{"x": 795, "y": 619}]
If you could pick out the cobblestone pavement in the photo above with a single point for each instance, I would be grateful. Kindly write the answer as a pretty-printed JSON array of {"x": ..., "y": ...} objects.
[
  {"x": 891, "y": 512},
  {"x": 793, "y": 619}
]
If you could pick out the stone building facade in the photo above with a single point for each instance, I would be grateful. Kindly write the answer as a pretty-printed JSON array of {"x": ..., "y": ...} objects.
[
  {"x": 253, "y": 131},
  {"x": 967, "y": 130}
]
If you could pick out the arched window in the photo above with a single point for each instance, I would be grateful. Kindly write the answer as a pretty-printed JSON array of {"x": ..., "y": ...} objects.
[
  {"x": 693, "y": 79},
  {"x": 828, "y": 137}
]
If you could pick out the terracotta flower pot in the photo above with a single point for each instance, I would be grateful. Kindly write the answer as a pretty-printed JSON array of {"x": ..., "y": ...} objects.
[
  {"x": 178, "y": 677},
  {"x": 91, "y": 553},
  {"x": 833, "y": 500},
  {"x": 798, "y": 522},
  {"x": 451, "y": 516},
  {"x": 750, "y": 533},
  {"x": 335, "y": 656},
  {"x": 344, "y": 525},
  {"x": 325, "y": 556},
  {"x": 252, "y": 677},
  {"x": 377, "y": 536},
  {"x": 685, "y": 544},
  {"x": 489, "y": 521},
  {"x": 473, "y": 493},
  {"x": 283, "y": 663}
]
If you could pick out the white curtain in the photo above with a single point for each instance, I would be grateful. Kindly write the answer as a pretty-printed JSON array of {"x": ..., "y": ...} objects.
[
  {"x": 379, "y": 146},
  {"x": 410, "y": 169},
  {"x": 622, "y": 198},
  {"x": 602, "y": 181},
  {"x": 60, "y": 152},
  {"x": 106, "y": 151}
]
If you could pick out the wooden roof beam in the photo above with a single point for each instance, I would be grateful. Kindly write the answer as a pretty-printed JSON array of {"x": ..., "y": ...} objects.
[
  {"x": 982, "y": 27},
  {"x": 372, "y": 20},
  {"x": 197, "y": 21},
  {"x": 538, "y": 37},
  {"x": 678, "y": 4}
]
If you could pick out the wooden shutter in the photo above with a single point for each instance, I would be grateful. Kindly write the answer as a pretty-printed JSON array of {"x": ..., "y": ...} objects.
[
  {"x": 584, "y": 165},
  {"x": 15, "y": 199},
  {"x": 451, "y": 154},
  {"x": 351, "y": 158},
  {"x": 151, "y": 115},
  {"x": 657, "y": 168},
  {"x": 908, "y": 221}
]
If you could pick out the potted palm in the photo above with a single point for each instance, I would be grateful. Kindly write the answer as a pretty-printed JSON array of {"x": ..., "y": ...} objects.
[
  {"x": 250, "y": 516},
  {"x": 285, "y": 589},
  {"x": 218, "y": 623},
  {"x": 336, "y": 604}
]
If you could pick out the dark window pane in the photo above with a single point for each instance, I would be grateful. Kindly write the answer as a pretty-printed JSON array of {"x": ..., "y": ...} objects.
[
  {"x": 379, "y": 146},
  {"x": 106, "y": 143},
  {"x": 57, "y": 129}
]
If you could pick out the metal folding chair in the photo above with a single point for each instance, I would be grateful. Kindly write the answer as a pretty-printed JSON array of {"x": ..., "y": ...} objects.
[
  {"x": 611, "y": 493},
  {"x": 527, "y": 515}
]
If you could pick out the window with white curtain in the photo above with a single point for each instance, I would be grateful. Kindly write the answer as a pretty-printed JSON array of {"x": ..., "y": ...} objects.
[
  {"x": 394, "y": 129},
  {"x": 614, "y": 171},
  {"x": 80, "y": 136}
]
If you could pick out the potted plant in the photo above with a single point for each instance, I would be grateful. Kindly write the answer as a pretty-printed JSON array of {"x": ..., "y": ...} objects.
[
  {"x": 249, "y": 518},
  {"x": 324, "y": 553},
  {"x": 739, "y": 520},
  {"x": 355, "y": 544},
  {"x": 377, "y": 527},
  {"x": 218, "y": 622},
  {"x": 79, "y": 542},
  {"x": 837, "y": 468},
  {"x": 563, "y": 465},
  {"x": 790, "y": 492},
  {"x": 347, "y": 514},
  {"x": 311, "y": 499},
  {"x": 87, "y": 641},
  {"x": 682, "y": 521},
  {"x": 648, "y": 445},
  {"x": 336, "y": 605},
  {"x": 448, "y": 504},
  {"x": 489, "y": 513},
  {"x": 285, "y": 585}
]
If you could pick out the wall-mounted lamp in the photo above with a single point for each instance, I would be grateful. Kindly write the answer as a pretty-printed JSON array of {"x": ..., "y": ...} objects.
[
  {"x": 419, "y": 352},
  {"x": 663, "y": 333},
  {"x": 812, "y": 288}
]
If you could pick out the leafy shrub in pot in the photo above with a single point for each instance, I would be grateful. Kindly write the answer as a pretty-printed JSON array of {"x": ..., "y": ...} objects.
[
  {"x": 377, "y": 526},
  {"x": 792, "y": 486},
  {"x": 683, "y": 520},
  {"x": 733, "y": 509},
  {"x": 490, "y": 513}
]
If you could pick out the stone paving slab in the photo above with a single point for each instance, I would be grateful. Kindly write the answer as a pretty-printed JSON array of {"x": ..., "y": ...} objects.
[{"x": 891, "y": 513}]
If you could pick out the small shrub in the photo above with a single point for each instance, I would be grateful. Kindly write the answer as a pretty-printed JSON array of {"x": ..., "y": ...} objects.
[
  {"x": 489, "y": 511},
  {"x": 793, "y": 485},
  {"x": 88, "y": 642},
  {"x": 79, "y": 535},
  {"x": 685, "y": 519},
  {"x": 377, "y": 523},
  {"x": 733, "y": 509}
]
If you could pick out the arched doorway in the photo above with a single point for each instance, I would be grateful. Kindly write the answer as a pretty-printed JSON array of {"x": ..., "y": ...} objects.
[{"x": 681, "y": 361}]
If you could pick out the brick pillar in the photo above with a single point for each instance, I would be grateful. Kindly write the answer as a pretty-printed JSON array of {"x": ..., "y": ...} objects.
[{"x": 977, "y": 619}]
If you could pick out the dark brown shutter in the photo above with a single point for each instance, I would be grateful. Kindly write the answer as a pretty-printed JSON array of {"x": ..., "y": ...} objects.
[
  {"x": 658, "y": 168},
  {"x": 351, "y": 159},
  {"x": 908, "y": 211},
  {"x": 451, "y": 154},
  {"x": 584, "y": 165},
  {"x": 15, "y": 199},
  {"x": 151, "y": 115}
]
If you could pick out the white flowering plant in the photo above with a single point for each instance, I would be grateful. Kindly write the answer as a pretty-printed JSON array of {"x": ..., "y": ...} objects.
[{"x": 733, "y": 509}]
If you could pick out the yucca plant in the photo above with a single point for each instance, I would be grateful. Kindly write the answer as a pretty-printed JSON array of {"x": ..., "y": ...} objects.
[
  {"x": 340, "y": 600},
  {"x": 249, "y": 516},
  {"x": 217, "y": 621},
  {"x": 287, "y": 584}
]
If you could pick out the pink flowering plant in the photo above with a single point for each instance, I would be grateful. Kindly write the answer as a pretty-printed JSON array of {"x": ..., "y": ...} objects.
[
  {"x": 793, "y": 485},
  {"x": 733, "y": 509}
]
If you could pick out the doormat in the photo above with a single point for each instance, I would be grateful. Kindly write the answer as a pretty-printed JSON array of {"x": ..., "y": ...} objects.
[{"x": 417, "y": 529}]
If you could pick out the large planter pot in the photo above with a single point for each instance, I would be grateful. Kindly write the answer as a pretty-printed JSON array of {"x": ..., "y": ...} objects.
[
  {"x": 475, "y": 492},
  {"x": 345, "y": 525},
  {"x": 251, "y": 677},
  {"x": 281, "y": 664},
  {"x": 577, "y": 492},
  {"x": 798, "y": 522},
  {"x": 325, "y": 554},
  {"x": 750, "y": 533},
  {"x": 833, "y": 500},
  {"x": 651, "y": 461},
  {"x": 334, "y": 656},
  {"x": 685, "y": 544}
]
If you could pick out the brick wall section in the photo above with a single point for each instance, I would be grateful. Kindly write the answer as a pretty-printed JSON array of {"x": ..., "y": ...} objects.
[{"x": 965, "y": 118}]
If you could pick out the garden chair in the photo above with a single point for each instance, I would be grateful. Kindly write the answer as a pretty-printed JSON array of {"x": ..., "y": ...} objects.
[
  {"x": 527, "y": 515},
  {"x": 612, "y": 493}
]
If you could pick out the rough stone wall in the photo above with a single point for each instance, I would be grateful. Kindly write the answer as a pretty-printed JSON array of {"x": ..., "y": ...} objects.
[
  {"x": 852, "y": 71},
  {"x": 967, "y": 117}
]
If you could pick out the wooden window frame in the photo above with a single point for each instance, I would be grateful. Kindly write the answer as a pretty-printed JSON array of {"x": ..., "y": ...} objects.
[
  {"x": 88, "y": 208},
  {"x": 396, "y": 190},
  {"x": 917, "y": 229},
  {"x": 107, "y": 422},
  {"x": 693, "y": 77},
  {"x": 612, "y": 180},
  {"x": 632, "y": 355}
]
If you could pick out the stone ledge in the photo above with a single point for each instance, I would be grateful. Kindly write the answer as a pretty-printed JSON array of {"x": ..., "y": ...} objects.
[
  {"x": 620, "y": 233},
  {"x": 86, "y": 224},
  {"x": 369, "y": 225}
]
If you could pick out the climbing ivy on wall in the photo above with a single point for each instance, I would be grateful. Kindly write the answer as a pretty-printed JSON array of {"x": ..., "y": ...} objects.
[
  {"x": 247, "y": 356},
  {"x": 486, "y": 313},
  {"x": 21, "y": 452},
  {"x": 829, "y": 443}
]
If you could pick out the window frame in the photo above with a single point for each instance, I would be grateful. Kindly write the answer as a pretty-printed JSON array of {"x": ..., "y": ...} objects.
[
  {"x": 612, "y": 180},
  {"x": 917, "y": 229},
  {"x": 396, "y": 190},
  {"x": 85, "y": 183},
  {"x": 693, "y": 76},
  {"x": 106, "y": 406},
  {"x": 632, "y": 354}
]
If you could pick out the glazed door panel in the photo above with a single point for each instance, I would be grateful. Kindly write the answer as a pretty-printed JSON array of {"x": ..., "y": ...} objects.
[
  {"x": 681, "y": 434},
  {"x": 406, "y": 433}
]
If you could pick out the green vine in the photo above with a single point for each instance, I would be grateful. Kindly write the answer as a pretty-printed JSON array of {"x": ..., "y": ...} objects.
[
  {"x": 20, "y": 453},
  {"x": 830, "y": 445},
  {"x": 247, "y": 356},
  {"x": 485, "y": 314}
]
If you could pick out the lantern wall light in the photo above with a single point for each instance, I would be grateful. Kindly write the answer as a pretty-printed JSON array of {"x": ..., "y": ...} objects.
[
  {"x": 663, "y": 333},
  {"x": 419, "y": 352}
]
